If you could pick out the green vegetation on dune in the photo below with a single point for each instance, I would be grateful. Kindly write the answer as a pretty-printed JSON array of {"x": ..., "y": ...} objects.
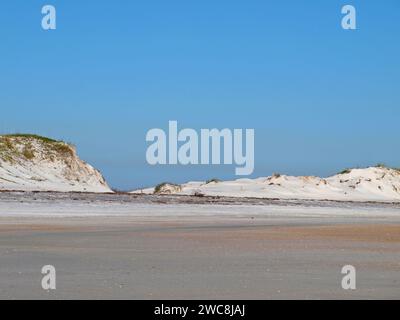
[
  {"x": 378, "y": 165},
  {"x": 163, "y": 186},
  {"x": 345, "y": 171},
  {"x": 33, "y": 136},
  {"x": 28, "y": 146},
  {"x": 7, "y": 148},
  {"x": 214, "y": 180},
  {"x": 382, "y": 165},
  {"x": 28, "y": 152}
]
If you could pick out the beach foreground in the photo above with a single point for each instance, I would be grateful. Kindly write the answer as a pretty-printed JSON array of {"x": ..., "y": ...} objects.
[{"x": 176, "y": 248}]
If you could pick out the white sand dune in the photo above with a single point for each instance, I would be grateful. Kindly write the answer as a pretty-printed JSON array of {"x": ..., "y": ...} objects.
[
  {"x": 31, "y": 163},
  {"x": 369, "y": 184}
]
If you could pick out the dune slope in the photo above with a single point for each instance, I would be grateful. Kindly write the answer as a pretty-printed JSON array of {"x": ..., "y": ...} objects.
[
  {"x": 368, "y": 184},
  {"x": 33, "y": 163}
]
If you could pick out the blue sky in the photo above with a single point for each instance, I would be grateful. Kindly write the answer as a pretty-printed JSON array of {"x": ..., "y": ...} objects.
[{"x": 319, "y": 98}]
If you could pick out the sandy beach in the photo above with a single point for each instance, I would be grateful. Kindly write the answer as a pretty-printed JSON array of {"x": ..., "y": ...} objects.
[{"x": 139, "y": 248}]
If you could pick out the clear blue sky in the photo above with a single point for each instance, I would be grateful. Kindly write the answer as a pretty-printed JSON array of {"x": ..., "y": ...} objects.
[{"x": 320, "y": 98}]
